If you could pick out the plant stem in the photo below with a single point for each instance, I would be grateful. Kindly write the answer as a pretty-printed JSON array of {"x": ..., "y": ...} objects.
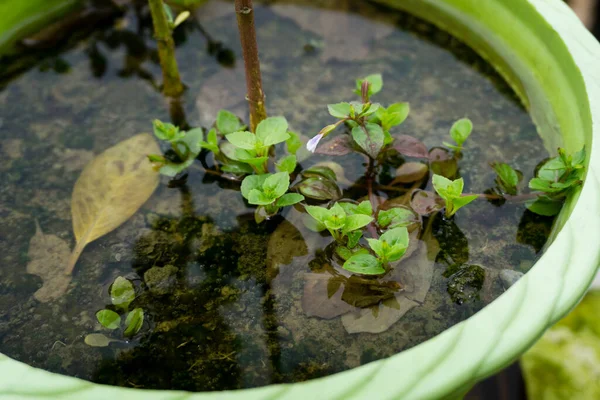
[
  {"x": 172, "y": 85},
  {"x": 255, "y": 96},
  {"x": 374, "y": 204},
  {"x": 508, "y": 198}
]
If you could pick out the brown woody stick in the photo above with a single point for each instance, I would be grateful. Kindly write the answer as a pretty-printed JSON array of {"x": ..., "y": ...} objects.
[{"x": 255, "y": 96}]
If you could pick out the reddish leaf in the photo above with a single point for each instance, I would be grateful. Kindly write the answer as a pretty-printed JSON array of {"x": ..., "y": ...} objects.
[
  {"x": 410, "y": 146},
  {"x": 425, "y": 203},
  {"x": 340, "y": 146},
  {"x": 443, "y": 163}
]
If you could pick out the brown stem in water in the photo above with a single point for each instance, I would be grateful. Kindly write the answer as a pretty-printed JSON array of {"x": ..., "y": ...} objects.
[
  {"x": 172, "y": 85},
  {"x": 255, "y": 96},
  {"x": 374, "y": 203}
]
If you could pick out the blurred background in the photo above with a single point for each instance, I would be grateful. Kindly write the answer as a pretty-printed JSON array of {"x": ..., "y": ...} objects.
[{"x": 565, "y": 363}]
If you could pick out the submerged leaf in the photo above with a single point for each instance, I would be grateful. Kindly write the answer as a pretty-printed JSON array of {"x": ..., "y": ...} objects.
[
  {"x": 319, "y": 189},
  {"x": 122, "y": 292},
  {"x": 410, "y": 172},
  {"x": 323, "y": 296},
  {"x": 410, "y": 147},
  {"x": 98, "y": 340},
  {"x": 425, "y": 203},
  {"x": 108, "y": 319},
  {"x": 111, "y": 188},
  {"x": 134, "y": 322},
  {"x": 48, "y": 255},
  {"x": 339, "y": 146},
  {"x": 378, "y": 318}
]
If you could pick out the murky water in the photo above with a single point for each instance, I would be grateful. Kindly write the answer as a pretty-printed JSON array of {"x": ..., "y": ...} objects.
[{"x": 229, "y": 304}]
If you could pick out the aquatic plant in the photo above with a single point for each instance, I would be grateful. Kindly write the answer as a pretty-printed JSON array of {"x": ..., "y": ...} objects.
[
  {"x": 250, "y": 157},
  {"x": 122, "y": 294}
]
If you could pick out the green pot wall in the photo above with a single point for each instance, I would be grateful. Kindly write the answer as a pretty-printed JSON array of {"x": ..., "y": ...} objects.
[
  {"x": 552, "y": 62},
  {"x": 19, "y": 18}
]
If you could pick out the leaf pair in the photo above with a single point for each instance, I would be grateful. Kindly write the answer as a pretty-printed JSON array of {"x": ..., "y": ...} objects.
[
  {"x": 269, "y": 192},
  {"x": 319, "y": 183},
  {"x": 451, "y": 192},
  {"x": 343, "y": 221},
  {"x": 557, "y": 178},
  {"x": 186, "y": 145},
  {"x": 122, "y": 294},
  {"x": 460, "y": 132},
  {"x": 253, "y": 149},
  {"x": 390, "y": 247}
]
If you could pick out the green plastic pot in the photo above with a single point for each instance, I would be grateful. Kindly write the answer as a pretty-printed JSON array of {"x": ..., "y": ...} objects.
[
  {"x": 552, "y": 62},
  {"x": 19, "y": 18}
]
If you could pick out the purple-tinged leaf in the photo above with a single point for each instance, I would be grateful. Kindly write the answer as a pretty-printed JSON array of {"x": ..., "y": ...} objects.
[
  {"x": 339, "y": 146},
  {"x": 410, "y": 147},
  {"x": 424, "y": 203}
]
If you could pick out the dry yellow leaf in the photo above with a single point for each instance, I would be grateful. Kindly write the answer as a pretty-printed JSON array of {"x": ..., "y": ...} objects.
[
  {"x": 111, "y": 188},
  {"x": 47, "y": 257}
]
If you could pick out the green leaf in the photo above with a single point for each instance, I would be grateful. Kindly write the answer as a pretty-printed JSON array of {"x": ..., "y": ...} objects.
[
  {"x": 396, "y": 217},
  {"x": 369, "y": 109},
  {"x": 378, "y": 247},
  {"x": 376, "y": 84},
  {"x": 259, "y": 198},
  {"x": 544, "y": 206},
  {"x": 289, "y": 199},
  {"x": 344, "y": 252},
  {"x": 339, "y": 110},
  {"x": 237, "y": 168},
  {"x": 293, "y": 143},
  {"x": 122, "y": 292},
  {"x": 193, "y": 140},
  {"x": 353, "y": 238},
  {"x": 134, "y": 322},
  {"x": 98, "y": 340},
  {"x": 168, "y": 13},
  {"x": 579, "y": 158},
  {"x": 181, "y": 18},
  {"x": 247, "y": 157},
  {"x": 108, "y": 319},
  {"x": 171, "y": 169},
  {"x": 252, "y": 182},
  {"x": 287, "y": 164},
  {"x": 507, "y": 179},
  {"x": 321, "y": 214},
  {"x": 349, "y": 208},
  {"x": 228, "y": 123},
  {"x": 442, "y": 186},
  {"x": 319, "y": 189},
  {"x": 337, "y": 217},
  {"x": 276, "y": 184},
  {"x": 243, "y": 140},
  {"x": 552, "y": 170},
  {"x": 323, "y": 171},
  {"x": 462, "y": 201},
  {"x": 395, "y": 237},
  {"x": 364, "y": 208},
  {"x": 364, "y": 264},
  {"x": 370, "y": 138},
  {"x": 272, "y": 130},
  {"x": 395, "y": 115},
  {"x": 543, "y": 186},
  {"x": 166, "y": 131},
  {"x": 357, "y": 221},
  {"x": 461, "y": 130}
]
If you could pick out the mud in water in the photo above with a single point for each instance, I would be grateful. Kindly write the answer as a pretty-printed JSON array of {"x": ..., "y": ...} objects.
[{"x": 230, "y": 304}]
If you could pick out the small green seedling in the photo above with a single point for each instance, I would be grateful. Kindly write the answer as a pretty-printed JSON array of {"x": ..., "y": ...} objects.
[
  {"x": 556, "y": 179},
  {"x": 269, "y": 192},
  {"x": 122, "y": 294},
  {"x": 186, "y": 146},
  {"x": 390, "y": 247},
  {"x": 507, "y": 178},
  {"x": 460, "y": 132},
  {"x": 343, "y": 222},
  {"x": 253, "y": 149},
  {"x": 174, "y": 22},
  {"x": 451, "y": 193}
]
